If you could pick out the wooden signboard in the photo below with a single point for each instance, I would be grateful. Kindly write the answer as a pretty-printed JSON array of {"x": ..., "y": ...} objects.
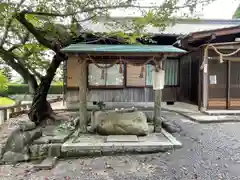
[
  {"x": 72, "y": 72},
  {"x": 158, "y": 79}
]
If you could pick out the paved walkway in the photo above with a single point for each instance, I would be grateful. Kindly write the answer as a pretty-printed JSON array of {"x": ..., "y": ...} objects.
[
  {"x": 204, "y": 118},
  {"x": 58, "y": 105}
]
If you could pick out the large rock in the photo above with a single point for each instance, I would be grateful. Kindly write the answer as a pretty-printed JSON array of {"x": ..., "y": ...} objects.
[
  {"x": 120, "y": 123},
  {"x": 18, "y": 141},
  {"x": 13, "y": 157}
]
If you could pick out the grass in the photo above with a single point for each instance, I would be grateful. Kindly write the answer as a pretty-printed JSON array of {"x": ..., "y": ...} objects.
[{"x": 6, "y": 101}]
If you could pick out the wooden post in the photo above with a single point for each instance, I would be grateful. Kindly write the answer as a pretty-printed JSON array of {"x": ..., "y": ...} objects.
[
  {"x": 157, "y": 111},
  {"x": 205, "y": 79},
  {"x": 157, "y": 104},
  {"x": 200, "y": 79},
  {"x": 228, "y": 85},
  {"x": 82, "y": 125}
]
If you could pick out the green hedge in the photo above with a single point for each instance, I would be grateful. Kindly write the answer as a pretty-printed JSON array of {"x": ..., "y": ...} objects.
[{"x": 24, "y": 89}]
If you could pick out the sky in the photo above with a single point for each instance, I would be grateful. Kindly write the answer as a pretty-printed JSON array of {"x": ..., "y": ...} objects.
[{"x": 219, "y": 9}]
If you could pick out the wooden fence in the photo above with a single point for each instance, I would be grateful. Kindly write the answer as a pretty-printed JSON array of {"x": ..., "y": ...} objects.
[{"x": 15, "y": 110}]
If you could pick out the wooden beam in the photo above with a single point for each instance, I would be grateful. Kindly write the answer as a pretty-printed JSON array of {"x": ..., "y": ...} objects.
[
  {"x": 227, "y": 47},
  {"x": 225, "y": 58},
  {"x": 219, "y": 32}
]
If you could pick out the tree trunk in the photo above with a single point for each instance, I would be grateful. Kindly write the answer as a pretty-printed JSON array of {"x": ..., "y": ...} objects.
[
  {"x": 41, "y": 109},
  {"x": 32, "y": 84}
]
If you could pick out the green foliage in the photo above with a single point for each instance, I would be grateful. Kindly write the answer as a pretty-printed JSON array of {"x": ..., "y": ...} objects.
[
  {"x": 58, "y": 83},
  {"x": 3, "y": 82},
  {"x": 7, "y": 73},
  {"x": 34, "y": 20},
  {"x": 237, "y": 13},
  {"x": 24, "y": 89},
  {"x": 4, "y": 101}
]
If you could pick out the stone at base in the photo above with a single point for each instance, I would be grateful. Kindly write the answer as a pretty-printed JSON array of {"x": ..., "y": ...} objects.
[
  {"x": 59, "y": 138},
  {"x": 46, "y": 164},
  {"x": 38, "y": 151},
  {"x": 54, "y": 150},
  {"x": 158, "y": 129},
  {"x": 26, "y": 125},
  {"x": 170, "y": 126},
  {"x": 42, "y": 140},
  {"x": 13, "y": 157}
]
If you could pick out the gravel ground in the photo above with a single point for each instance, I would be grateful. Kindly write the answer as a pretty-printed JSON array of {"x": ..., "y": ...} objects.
[{"x": 210, "y": 152}]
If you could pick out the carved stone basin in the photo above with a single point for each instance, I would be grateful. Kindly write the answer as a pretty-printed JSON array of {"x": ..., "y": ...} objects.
[{"x": 119, "y": 122}]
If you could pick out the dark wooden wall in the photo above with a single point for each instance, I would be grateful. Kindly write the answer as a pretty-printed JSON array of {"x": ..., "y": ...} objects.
[{"x": 189, "y": 76}]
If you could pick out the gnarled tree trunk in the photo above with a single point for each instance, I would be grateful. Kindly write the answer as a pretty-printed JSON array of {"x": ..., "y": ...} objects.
[{"x": 41, "y": 109}]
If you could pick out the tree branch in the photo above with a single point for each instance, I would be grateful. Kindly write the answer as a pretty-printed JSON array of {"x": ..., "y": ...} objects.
[{"x": 37, "y": 34}]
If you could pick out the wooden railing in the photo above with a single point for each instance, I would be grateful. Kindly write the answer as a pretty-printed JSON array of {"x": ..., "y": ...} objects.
[{"x": 18, "y": 109}]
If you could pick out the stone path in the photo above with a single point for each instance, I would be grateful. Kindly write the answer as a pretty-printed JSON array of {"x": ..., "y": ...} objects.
[
  {"x": 204, "y": 118},
  {"x": 58, "y": 105}
]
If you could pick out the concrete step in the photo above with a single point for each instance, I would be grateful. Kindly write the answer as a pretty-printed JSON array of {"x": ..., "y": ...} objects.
[
  {"x": 83, "y": 146},
  {"x": 46, "y": 164}
]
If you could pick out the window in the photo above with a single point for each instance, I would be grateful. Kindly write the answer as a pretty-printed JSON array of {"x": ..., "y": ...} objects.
[
  {"x": 136, "y": 76},
  {"x": 149, "y": 69},
  {"x": 105, "y": 77},
  {"x": 171, "y": 67},
  {"x": 133, "y": 76}
]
